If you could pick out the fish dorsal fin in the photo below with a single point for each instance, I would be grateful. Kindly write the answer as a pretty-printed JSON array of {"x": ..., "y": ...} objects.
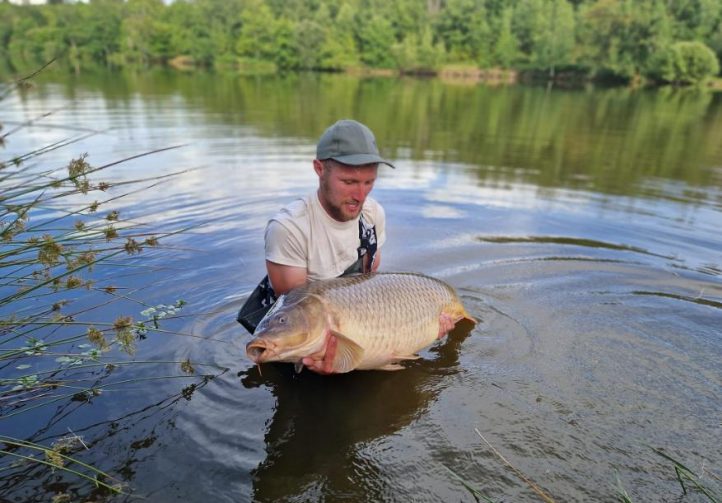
[{"x": 348, "y": 354}]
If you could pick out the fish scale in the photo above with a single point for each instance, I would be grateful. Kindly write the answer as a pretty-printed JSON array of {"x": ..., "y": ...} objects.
[{"x": 378, "y": 319}]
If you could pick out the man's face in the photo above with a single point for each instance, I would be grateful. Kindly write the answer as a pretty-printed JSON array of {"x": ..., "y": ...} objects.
[{"x": 343, "y": 189}]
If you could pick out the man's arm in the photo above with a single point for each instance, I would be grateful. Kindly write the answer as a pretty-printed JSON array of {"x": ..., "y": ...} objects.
[
  {"x": 377, "y": 261},
  {"x": 285, "y": 277}
]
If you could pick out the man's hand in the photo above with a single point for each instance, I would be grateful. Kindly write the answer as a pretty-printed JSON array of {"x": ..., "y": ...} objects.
[
  {"x": 446, "y": 325},
  {"x": 322, "y": 363}
]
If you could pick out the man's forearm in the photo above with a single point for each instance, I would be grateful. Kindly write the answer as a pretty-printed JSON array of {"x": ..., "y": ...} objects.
[{"x": 285, "y": 277}]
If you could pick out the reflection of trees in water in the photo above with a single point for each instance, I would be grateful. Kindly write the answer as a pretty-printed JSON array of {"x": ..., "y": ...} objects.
[
  {"x": 320, "y": 424},
  {"x": 610, "y": 140},
  {"x": 124, "y": 441}
]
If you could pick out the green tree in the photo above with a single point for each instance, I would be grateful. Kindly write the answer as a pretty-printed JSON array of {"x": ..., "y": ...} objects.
[
  {"x": 311, "y": 33},
  {"x": 376, "y": 37},
  {"x": 525, "y": 24},
  {"x": 546, "y": 30},
  {"x": 339, "y": 49},
  {"x": 715, "y": 42},
  {"x": 286, "y": 48},
  {"x": 256, "y": 36},
  {"x": 506, "y": 48},
  {"x": 462, "y": 26},
  {"x": 99, "y": 30},
  {"x": 191, "y": 34},
  {"x": 223, "y": 18},
  {"x": 19, "y": 49},
  {"x": 686, "y": 62},
  {"x": 695, "y": 19},
  {"x": 418, "y": 53},
  {"x": 145, "y": 38},
  {"x": 554, "y": 37},
  {"x": 621, "y": 37}
]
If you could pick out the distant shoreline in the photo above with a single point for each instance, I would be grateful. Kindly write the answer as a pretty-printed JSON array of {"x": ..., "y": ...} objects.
[{"x": 460, "y": 74}]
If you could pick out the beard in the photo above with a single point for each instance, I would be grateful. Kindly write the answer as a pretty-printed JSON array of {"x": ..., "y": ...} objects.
[{"x": 338, "y": 210}]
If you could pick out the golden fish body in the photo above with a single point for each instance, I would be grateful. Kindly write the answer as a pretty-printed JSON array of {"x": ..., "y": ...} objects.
[{"x": 378, "y": 320}]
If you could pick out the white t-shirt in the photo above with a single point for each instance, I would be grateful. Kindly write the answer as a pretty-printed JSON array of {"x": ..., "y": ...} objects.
[{"x": 302, "y": 234}]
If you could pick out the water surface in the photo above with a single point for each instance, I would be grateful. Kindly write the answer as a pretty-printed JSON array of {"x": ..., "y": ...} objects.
[{"x": 581, "y": 227}]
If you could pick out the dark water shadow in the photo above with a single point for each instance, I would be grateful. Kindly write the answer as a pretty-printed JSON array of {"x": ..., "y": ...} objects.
[
  {"x": 321, "y": 423},
  {"x": 138, "y": 434},
  {"x": 568, "y": 241},
  {"x": 685, "y": 298}
]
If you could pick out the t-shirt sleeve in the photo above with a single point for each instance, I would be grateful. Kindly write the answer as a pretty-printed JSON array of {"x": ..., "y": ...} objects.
[{"x": 283, "y": 246}]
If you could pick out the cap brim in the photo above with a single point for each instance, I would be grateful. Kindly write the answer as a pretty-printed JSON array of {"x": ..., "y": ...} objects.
[{"x": 360, "y": 159}]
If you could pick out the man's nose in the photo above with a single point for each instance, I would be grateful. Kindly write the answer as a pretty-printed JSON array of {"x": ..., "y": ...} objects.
[{"x": 359, "y": 193}]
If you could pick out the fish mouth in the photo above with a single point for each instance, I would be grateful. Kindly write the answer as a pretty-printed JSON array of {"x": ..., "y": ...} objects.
[{"x": 259, "y": 351}]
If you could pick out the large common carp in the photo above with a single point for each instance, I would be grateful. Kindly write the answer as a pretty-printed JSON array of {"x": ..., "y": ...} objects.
[{"x": 378, "y": 320}]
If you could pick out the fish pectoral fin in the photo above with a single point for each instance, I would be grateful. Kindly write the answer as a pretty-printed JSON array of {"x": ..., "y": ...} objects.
[
  {"x": 392, "y": 366},
  {"x": 348, "y": 354},
  {"x": 406, "y": 357},
  {"x": 395, "y": 365}
]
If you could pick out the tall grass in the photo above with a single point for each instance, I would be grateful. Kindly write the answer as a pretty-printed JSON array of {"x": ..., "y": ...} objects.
[{"x": 60, "y": 241}]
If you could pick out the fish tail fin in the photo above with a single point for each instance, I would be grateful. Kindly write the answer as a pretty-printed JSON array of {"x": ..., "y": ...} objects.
[{"x": 458, "y": 313}]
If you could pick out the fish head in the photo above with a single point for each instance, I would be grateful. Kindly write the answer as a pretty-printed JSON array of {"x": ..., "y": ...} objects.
[{"x": 291, "y": 330}]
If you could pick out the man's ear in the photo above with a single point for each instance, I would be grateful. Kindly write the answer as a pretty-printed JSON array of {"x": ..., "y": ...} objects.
[{"x": 318, "y": 167}]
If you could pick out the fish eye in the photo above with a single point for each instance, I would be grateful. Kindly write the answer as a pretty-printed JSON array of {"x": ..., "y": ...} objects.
[{"x": 282, "y": 320}]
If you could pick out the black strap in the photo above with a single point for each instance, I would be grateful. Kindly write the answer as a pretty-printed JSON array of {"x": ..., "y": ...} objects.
[{"x": 368, "y": 247}]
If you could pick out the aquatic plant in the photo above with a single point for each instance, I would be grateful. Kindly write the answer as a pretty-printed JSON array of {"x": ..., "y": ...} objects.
[
  {"x": 683, "y": 474},
  {"x": 60, "y": 243},
  {"x": 479, "y": 496},
  {"x": 476, "y": 493}
]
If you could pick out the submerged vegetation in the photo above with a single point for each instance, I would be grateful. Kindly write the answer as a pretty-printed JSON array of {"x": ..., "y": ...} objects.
[
  {"x": 625, "y": 40},
  {"x": 63, "y": 344},
  {"x": 683, "y": 474}
]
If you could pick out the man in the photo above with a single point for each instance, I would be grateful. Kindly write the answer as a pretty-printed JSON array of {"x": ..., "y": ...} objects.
[
  {"x": 321, "y": 235},
  {"x": 335, "y": 231}
]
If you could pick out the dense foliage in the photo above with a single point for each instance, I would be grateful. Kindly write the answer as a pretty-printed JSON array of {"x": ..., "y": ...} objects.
[{"x": 678, "y": 41}]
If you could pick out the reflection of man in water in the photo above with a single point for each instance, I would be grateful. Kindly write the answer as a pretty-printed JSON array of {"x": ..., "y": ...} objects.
[{"x": 321, "y": 443}]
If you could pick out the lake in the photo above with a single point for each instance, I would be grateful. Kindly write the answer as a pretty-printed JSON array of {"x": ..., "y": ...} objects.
[{"x": 581, "y": 227}]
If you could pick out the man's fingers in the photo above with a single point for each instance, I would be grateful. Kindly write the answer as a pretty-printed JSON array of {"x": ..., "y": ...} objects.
[
  {"x": 330, "y": 354},
  {"x": 324, "y": 365}
]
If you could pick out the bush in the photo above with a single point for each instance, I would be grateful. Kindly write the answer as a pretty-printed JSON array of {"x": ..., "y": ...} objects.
[{"x": 685, "y": 62}]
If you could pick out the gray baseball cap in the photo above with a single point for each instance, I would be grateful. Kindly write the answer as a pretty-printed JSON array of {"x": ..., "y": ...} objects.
[{"x": 349, "y": 142}]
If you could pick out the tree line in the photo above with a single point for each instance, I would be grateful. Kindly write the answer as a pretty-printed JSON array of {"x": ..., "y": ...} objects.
[{"x": 628, "y": 40}]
